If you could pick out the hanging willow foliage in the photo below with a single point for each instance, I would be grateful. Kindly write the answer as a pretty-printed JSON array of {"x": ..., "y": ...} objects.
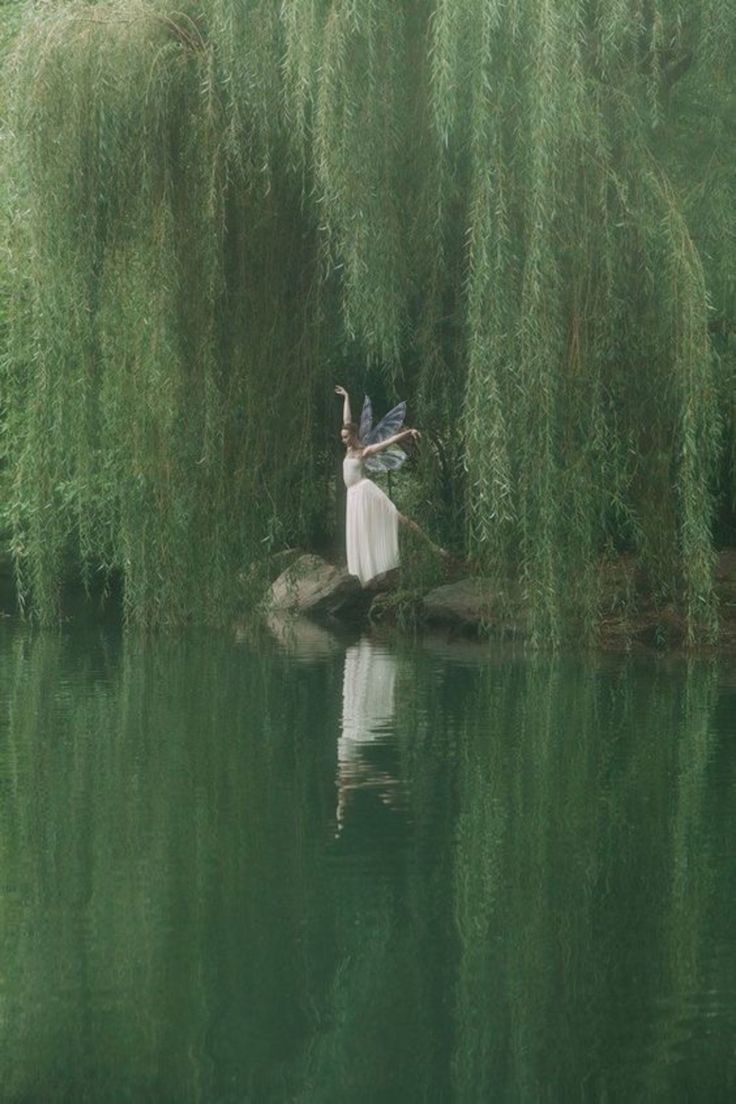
[{"x": 514, "y": 213}]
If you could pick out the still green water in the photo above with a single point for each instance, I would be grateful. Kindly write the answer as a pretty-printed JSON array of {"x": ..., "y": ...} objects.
[{"x": 314, "y": 869}]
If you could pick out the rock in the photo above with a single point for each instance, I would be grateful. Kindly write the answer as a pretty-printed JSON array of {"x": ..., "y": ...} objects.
[
  {"x": 473, "y": 604},
  {"x": 279, "y": 561},
  {"x": 466, "y": 602},
  {"x": 313, "y": 586}
]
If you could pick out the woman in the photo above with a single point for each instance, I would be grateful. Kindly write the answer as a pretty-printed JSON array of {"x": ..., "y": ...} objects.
[{"x": 372, "y": 520}]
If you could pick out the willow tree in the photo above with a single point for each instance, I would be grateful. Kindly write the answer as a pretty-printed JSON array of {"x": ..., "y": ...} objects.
[{"x": 493, "y": 208}]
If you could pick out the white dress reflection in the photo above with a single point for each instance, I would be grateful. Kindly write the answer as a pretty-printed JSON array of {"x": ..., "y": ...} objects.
[{"x": 367, "y": 716}]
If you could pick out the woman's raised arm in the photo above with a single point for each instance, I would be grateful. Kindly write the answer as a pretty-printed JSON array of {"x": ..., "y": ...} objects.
[
  {"x": 346, "y": 416},
  {"x": 371, "y": 450}
]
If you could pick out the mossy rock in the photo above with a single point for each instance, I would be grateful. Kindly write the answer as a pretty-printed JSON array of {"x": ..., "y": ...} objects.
[{"x": 315, "y": 587}]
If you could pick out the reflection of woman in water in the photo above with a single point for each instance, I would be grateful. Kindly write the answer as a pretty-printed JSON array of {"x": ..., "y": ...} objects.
[
  {"x": 372, "y": 520},
  {"x": 367, "y": 716}
]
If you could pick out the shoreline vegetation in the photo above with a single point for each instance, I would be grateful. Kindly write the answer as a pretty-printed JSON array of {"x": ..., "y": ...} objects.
[
  {"x": 519, "y": 218},
  {"x": 630, "y": 617},
  {"x": 308, "y": 588}
]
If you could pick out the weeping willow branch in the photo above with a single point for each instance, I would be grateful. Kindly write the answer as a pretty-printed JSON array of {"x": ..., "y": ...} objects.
[{"x": 493, "y": 205}]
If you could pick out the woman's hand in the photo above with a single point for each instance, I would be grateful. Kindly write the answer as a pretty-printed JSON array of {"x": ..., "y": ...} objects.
[
  {"x": 414, "y": 434},
  {"x": 342, "y": 393}
]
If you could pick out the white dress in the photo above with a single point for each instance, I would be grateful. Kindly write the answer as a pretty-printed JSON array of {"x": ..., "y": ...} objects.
[{"x": 371, "y": 524}]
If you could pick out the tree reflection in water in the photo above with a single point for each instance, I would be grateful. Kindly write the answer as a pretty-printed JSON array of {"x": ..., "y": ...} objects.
[{"x": 548, "y": 915}]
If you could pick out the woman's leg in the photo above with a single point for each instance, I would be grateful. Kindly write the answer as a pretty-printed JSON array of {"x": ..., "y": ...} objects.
[{"x": 410, "y": 524}]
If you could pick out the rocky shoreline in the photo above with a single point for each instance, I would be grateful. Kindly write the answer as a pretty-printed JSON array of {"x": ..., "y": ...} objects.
[
  {"x": 464, "y": 606},
  {"x": 629, "y": 618}
]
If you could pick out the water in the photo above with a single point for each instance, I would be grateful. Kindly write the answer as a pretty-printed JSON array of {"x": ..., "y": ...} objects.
[{"x": 321, "y": 869}]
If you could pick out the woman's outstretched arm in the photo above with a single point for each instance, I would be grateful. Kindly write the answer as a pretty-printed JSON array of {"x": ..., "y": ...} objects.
[
  {"x": 346, "y": 416},
  {"x": 371, "y": 450}
]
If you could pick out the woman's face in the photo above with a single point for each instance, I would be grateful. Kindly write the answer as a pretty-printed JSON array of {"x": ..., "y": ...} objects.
[{"x": 345, "y": 437}]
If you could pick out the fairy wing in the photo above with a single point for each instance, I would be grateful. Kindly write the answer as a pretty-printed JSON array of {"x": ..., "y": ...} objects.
[
  {"x": 389, "y": 460},
  {"x": 366, "y": 420},
  {"x": 392, "y": 458},
  {"x": 390, "y": 423}
]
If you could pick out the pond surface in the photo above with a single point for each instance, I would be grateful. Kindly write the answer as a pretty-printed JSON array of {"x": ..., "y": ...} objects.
[{"x": 320, "y": 869}]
